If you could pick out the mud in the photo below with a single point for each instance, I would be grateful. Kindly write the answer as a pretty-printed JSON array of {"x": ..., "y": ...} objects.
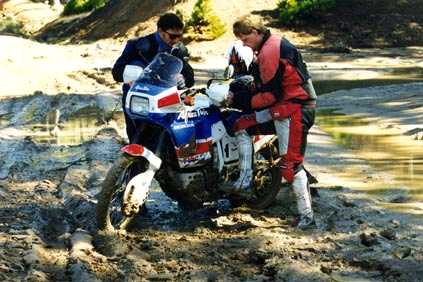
[{"x": 56, "y": 149}]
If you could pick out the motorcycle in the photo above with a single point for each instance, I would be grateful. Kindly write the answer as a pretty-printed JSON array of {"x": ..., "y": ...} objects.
[{"x": 184, "y": 141}]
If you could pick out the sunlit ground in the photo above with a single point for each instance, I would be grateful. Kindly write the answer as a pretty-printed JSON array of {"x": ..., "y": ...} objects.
[{"x": 365, "y": 68}]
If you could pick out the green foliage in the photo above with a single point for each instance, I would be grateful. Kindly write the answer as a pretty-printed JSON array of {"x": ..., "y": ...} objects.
[
  {"x": 290, "y": 10},
  {"x": 204, "y": 24},
  {"x": 180, "y": 14},
  {"x": 82, "y": 6},
  {"x": 10, "y": 25}
]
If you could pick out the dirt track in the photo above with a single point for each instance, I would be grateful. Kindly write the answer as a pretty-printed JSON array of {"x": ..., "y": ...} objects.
[
  {"x": 47, "y": 196},
  {"x": 47, "y": 233}
]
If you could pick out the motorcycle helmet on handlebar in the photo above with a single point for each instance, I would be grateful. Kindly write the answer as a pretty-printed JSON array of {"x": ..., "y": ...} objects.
[{"x": 243, "y": 88}]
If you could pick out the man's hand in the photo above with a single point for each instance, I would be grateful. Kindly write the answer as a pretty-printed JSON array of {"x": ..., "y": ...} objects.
[
  {"x": 229, "y": 99},
  {"x": 180, "y": 82},
  {"x": 180, "y": 51}
]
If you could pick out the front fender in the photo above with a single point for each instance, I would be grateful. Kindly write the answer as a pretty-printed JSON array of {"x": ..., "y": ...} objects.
[
  {"x": 136, "y": 150},
  {"x": 136, "y": 191}
]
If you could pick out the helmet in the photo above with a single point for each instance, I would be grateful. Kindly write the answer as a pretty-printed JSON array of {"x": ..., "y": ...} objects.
[
  {"x": 242, "y": 83},
  {"x": 240, "y": 57},
  {"x": 243, "y": 89}
]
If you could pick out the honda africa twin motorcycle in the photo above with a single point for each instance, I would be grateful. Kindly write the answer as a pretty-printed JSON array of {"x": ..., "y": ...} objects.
[{"x": 188, "y": 149}]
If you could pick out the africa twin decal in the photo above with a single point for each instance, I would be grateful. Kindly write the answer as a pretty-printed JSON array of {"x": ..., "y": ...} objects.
[{"x": 192, "y": 114}]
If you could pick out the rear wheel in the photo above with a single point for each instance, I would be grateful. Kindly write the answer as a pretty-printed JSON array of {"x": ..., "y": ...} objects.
[
  {"x": 110, "y": 212},
  {"x": 267, "y": 181}
]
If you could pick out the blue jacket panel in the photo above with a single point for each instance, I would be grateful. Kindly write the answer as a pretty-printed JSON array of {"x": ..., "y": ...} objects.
[
  {"x": 138, "y": 52},
  {"x": 141, "y": 52}
]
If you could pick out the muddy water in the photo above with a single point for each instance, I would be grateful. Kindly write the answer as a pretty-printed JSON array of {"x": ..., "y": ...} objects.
[
  {"x": 77, "y": 130},
  {"x": 399, "y": 156},
  {"x": 329, "y": 80}
]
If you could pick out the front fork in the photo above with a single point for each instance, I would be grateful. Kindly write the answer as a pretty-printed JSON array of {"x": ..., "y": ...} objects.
[{"x": 137, "y": 189}]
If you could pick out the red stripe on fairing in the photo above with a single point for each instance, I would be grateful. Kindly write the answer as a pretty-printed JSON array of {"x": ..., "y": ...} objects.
[
  {"x": 200, "y": 148},
  {"x": 133, "y": 150},
  {"x": 257, "y": 138},
  {"x": 169, "y": 100}
]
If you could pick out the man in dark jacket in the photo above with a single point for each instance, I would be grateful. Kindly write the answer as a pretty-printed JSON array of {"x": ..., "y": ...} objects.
[{"x": 141, "y": 51}]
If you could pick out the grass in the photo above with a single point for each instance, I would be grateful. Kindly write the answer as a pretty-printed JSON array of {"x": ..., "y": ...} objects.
[{"x": 9, "y": 25}]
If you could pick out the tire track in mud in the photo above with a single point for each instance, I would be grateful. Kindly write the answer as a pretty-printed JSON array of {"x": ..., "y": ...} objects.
[
  {"x": 48, "y": 191},
  {"x": 57, "y": 186}
]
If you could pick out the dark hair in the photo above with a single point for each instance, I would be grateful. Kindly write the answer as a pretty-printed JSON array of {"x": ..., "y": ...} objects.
[{"x": 170, "y": 21}]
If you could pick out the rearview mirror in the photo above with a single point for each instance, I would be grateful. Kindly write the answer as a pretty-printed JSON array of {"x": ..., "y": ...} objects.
[{"x": 131, "y": 73}]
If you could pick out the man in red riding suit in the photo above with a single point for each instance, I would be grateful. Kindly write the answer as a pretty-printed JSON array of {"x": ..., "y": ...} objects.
[{"x": 283, "y": 93}]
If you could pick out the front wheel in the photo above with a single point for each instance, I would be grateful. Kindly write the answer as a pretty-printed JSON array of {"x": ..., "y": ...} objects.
[{"x": 110, "y": 211}]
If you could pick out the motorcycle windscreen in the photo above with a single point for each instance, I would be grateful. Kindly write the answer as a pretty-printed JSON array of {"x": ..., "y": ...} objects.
[{"x": 163, "y": 71}]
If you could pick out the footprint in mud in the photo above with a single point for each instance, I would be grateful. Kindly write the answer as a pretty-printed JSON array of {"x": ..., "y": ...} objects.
[
  {"x": 52, "y": 224},
  {"x": 111, "y": 244}
]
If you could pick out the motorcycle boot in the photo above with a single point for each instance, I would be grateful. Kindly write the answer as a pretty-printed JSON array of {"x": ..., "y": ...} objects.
[
  {"x": 302, "y": 195},
  {"x": 244, "y": 183}
]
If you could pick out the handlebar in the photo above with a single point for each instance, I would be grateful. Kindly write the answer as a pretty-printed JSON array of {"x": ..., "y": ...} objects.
[{"x": 210, "y": 81}]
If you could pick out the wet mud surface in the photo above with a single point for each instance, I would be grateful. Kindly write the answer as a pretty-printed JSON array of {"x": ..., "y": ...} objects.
[{"x": 48, "y": 232}]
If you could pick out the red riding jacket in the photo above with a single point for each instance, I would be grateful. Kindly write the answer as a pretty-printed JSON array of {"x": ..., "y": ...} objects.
[{"x": 279, "y": 73}]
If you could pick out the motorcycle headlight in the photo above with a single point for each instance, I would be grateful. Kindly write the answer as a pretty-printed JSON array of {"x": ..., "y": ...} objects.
[{"x": 139, "y": 105}]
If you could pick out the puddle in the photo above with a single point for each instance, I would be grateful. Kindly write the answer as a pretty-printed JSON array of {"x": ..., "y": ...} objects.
[
  {"x": 399, "y": 156},
  {"x": 80, "y": 128},
  {"x": 327, "y": 86},
  {"x": 329, "y": 80},
  {"x": 161, "y": 210},
  {"x": 5, "y": 119}
]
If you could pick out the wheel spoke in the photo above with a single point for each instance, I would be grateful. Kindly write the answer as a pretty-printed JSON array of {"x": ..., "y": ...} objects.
[
  {"x": 124, "y": 222},
  {"x": 117, "y": 219}
]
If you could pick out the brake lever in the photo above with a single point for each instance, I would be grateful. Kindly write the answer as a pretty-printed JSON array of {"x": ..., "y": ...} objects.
[{"x": 187, "y": 95}]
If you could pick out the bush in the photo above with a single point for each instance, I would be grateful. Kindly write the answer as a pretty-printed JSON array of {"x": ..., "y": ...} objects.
[
  {"x": 11, "y": 26},
  {"x": 81, "y": 6},
  {"x": 290, "y": 10},
  {"x": 204, "y": 24}
]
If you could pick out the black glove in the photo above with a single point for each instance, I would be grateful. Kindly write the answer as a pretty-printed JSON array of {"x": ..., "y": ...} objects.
[
  {"x": 188, "y": 74},
  {"x": 180, "y": 51},
  {"x": 243, "y": 83},
  {"x": 242, "y": 101}
]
